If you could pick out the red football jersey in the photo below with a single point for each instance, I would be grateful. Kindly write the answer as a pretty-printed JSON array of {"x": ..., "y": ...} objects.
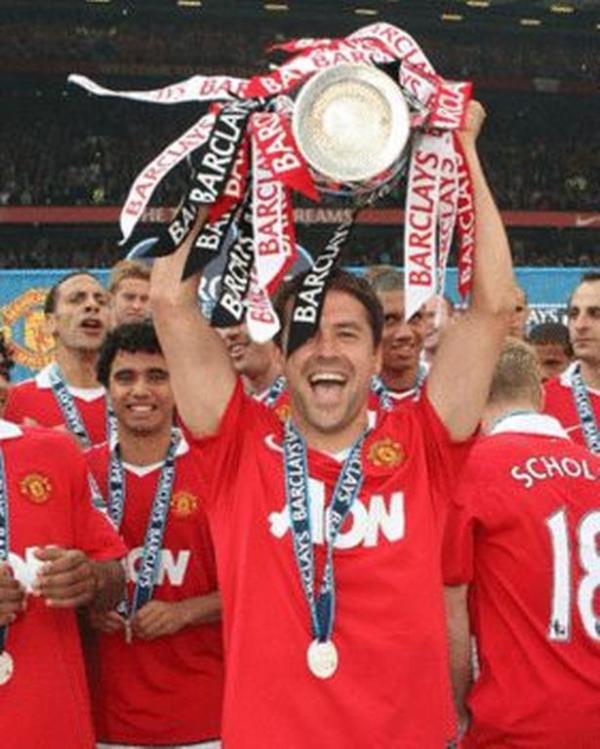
[
  {"x": 46, "y": 702},
  {"x": 168, "y": 690},
  {"x": 528, "y": 531},
  {"x": 559, "y": 402},
  {"x": 391, "y": 685},
  {"x": 34, "y": 399}
]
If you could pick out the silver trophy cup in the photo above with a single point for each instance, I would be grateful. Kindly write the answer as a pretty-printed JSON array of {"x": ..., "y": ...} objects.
[{"x": 352, "y": 125}]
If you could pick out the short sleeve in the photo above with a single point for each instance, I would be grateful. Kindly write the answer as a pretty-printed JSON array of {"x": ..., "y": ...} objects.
[{"x": 217, "y": 456}]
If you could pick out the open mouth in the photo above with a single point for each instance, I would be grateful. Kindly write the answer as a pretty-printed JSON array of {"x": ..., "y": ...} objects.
[
  {"x": 327, "y": 383},
  {"x": 92, "y": 324}
]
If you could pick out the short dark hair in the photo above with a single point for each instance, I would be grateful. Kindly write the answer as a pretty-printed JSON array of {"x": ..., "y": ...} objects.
[
  {"x": 339, "y": 280},
  {"x": 130, "y": 337},
  {"x": 52, "y": 296},
  {"x": 590, "y": 277},
  {"x": 551, "y": 332}
]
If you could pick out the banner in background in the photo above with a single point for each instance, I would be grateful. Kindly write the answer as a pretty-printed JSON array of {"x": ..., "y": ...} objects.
[{"x": 22, "y": 294}]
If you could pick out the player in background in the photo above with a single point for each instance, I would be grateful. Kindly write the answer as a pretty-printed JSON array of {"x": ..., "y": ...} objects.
[
  {"x": 526, "y": 542},
  {"x": 259, "y": 364},
  {"x": 299, "y": 676},
  {"x": 550, "y": 341},
  {"x": 66, "y": 393},
  {"x": 57, "y": 553},
  {"x": 129, "y": 288},
  {"x": 518, "y": 321},
  {"x": 157, "y": 661},
  {"x": 574, "y": 396},
  {"x": 402, "y": 369}
]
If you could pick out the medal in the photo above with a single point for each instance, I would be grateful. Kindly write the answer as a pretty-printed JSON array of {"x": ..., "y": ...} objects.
[
  {"x": 322, "y": 655},
  {"x": 322, "y": 658},
  {"x": 7, "y": 668},
  {"x": 128, "y": 632}
]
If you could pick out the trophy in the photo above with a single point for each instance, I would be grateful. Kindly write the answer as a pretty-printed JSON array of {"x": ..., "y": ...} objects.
[{"x": 352, "y": 125}]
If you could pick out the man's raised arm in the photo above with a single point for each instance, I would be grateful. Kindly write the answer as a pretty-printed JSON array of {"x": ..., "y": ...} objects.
[
  {"x": 462, "y": 370},
  {"x": 201, "y": 375}
]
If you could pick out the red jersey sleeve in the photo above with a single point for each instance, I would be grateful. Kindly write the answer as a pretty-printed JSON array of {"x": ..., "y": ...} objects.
[
  {"x": 219, "y": 454},
  {"x": 13, "y": 411}
]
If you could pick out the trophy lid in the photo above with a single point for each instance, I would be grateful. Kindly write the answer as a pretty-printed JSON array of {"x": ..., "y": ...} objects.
[{"x": 351, "y": 122}]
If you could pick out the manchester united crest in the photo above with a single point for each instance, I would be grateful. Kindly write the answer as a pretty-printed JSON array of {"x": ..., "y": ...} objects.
[
  {"x": 386, "y": 453},
  {"x": 183, "y": 504},
  {"x": 24, "y": 325},
  {"x": 283, "y": 411},
  {"x": 36, "y": 487}
]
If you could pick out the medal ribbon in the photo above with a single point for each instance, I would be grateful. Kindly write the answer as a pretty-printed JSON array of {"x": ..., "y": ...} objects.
[
  {"x": 70, "y": 412},
  {"x": 382, "y": 392},
  {"x": 583, "y": 405},
  {"x": 275, "y": 391},
  {"x": 347, "y": 488},
  {"x": 150, "y": 564},
  {"x": 4, "y": 534}
]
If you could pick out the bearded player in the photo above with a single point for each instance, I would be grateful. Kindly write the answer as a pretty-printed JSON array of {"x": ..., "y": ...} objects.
[
  {"x": 574, "y": 396},
  {"x": 368, "y": 665}
]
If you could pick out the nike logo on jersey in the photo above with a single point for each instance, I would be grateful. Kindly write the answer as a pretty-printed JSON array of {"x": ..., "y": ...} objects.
[
  {"x": 273, "y": 444},
  {"x": 368, "y": 520},
  {"x": 172, "y": 566}
]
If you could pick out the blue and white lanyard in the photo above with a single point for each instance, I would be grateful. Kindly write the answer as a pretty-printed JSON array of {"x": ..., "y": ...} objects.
[
  {"x": 155, "y": 530},
  {"x": 4, "y": 534},
  {"x": 70, "y": 412},
  {"x": 347, "y": 488},
  {"x": 583, "y": 405},
  {"x": 383, "y": 393},
  {"x": 275, "y": 391}
]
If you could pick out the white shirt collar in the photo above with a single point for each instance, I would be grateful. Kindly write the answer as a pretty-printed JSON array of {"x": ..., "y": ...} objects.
[
  {"x": 530, "y": 423},
  {"x": 8, "y": 430},
  {"x": 566, "y": 377},
  {"x": 43, "y": 381},
  {"x": 182, "y": 448}
]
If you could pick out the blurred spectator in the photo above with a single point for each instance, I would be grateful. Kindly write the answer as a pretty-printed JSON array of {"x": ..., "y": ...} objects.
[
  {"x": 129, "y": 287},
  {"x": 552, "y": 347},
  {"x": 518, "y": 320}
]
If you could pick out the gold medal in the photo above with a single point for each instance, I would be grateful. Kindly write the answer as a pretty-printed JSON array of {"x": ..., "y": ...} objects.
[
  {"x": 128, "y": 632},
  {"x": 7, "y": 668},
  {"x": 322, "y": 659}
]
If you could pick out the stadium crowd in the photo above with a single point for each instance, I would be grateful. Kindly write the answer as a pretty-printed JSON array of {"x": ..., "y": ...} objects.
[{"x": 191, "y": 46}]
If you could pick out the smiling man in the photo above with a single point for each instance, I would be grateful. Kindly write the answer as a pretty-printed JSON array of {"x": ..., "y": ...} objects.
[
  {"x": 574, "y": 397},
  {"x": 66, "y": 393},
  {"x": 334, "y": 621},
  {"x": 402, "y": 371},
  {"x": 157, "y": 672}
]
